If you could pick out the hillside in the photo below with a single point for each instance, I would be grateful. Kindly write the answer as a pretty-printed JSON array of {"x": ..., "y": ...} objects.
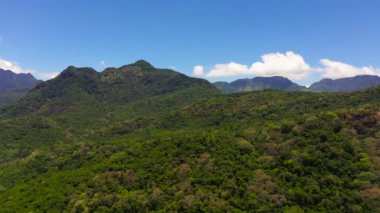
[
  {"x": 114, "y": 86},
  {"x": 259, "y": 83},
  {"x": 102, "y": 98},
  {"x": 14, "y": 86},
  {"x": 179, "y": 145},
  {"x": 346, "y": 84}
]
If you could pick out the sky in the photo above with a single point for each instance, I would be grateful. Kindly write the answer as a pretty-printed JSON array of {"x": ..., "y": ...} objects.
[{"x": 219, "y": 40}]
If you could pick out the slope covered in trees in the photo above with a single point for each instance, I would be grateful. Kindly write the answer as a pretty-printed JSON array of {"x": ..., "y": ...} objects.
[{"x": 187, "y": 148}]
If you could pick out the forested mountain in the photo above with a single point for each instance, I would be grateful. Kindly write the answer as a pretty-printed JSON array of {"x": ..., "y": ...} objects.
[
  {"x": 76, "y": 87},
  {"x": 138, "y": 138},
  {"x": 14, "y": 86},
  {"x": 346, "y": 84},
  {"x": 259, "y": 83}
]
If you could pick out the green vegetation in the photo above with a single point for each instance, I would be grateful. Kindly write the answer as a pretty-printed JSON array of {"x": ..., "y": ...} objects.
[
  {"x": 83, "y": 143},
  {"x": 8, "y": 97}
]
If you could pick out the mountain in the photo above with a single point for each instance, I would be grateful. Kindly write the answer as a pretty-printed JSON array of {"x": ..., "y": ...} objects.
[
  {"x": 259, "y": 83},
  {"x": 346, "y": 84},
  {"x": 114, "y": 86},
  {"x": 14, "y": 86},
  {"x": 10, "y": 81},
  {"x": 280, "y": 83},
  {"x": 139, "y": 86},
  {"x": 142, "y": 139}
]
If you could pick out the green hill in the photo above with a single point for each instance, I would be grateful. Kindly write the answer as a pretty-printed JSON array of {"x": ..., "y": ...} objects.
[{"x": 137, "y": 139}]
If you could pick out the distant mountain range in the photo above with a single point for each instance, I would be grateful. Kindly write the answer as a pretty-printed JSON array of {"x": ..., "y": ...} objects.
[
  {"x": 14, "y": 86},
  {"x": 259, "y": 83},
  {"x": 139, "y": 74},
  {"x": 281, "y": 83},
  {"x": 346, "y": 84},
  {"x": 11, "y": 81}
]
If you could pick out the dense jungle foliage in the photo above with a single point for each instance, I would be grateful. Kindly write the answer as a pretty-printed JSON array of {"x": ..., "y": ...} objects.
[{"x": 83, "y": 143}]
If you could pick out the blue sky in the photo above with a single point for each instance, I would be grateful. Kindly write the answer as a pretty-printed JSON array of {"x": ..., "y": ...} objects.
[{"x": 44, "y": 36}]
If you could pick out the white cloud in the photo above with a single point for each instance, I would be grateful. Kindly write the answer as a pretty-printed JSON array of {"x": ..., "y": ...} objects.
[
  {"x": 14, "y": 67},
  {"x": 290, "y": 65},
  {"x": 198, "y": 70},
  {"x": 334, "y": 69},
  {"x": 230, "y": 69}
]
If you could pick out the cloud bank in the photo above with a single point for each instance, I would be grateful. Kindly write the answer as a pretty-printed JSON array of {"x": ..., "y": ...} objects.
[
  {"x": 230, "y": 69},
  {"x": 14, "y": 67},
  {"x": 289, "y": 64},
  {"x": 335, "y": 69}
]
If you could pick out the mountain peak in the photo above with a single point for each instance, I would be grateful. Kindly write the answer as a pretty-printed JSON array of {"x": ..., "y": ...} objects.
[
  {"x": 76, "y": 87},
  {"x": 143, "y": 64},
  {"x": 16, "y": 81},
  {"x": 140, "y": 65},
  {"x": 71, "y": 71},
  {"x": 259, "y": 83},
  {"x": 13, "y": 86}
]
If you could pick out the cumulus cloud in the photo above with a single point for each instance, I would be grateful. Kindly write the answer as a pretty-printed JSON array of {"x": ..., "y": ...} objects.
[
  {"x": 198, "y": 70},
  {"x": 230, "y": 69},
  {"x": 289, "y": 64},
  {"x": 334, "y": 69},
  {"x": 14, "y": 67}
]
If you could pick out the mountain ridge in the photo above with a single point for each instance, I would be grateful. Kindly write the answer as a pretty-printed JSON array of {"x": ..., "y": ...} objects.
[
  {"x": 259, "y": 83},
  {"x": 14, "y": 86},
  {"x": 75, "y": 90},
  {"x": 11, "y": 81},
  {"x": 348, "y": 84}
]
